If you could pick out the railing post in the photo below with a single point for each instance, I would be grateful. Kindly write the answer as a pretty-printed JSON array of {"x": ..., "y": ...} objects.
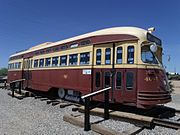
[
  {"x": 20, "y": 84},
  {"x": 87, "y": 115},
  {"x": 13, "y": 87},
  {"x": 106, "y": 105},
  {"x": 5, "y": 84}
]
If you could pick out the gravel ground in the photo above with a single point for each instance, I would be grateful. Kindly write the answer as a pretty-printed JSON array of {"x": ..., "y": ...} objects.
[
  {"x": 158, "y": 131},
  {"x": 34, "y": 117}
]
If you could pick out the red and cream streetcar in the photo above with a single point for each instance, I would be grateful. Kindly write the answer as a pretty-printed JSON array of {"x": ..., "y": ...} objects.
[{"x": 128, "y": 59}]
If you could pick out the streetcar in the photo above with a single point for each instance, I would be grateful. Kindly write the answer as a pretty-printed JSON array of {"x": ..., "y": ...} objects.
[{"x": 127, "y": 59}]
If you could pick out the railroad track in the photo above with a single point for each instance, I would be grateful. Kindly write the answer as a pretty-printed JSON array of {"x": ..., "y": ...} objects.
[
  {"x": 166, "y": 123},
  {"x": 143, "y": 121}
]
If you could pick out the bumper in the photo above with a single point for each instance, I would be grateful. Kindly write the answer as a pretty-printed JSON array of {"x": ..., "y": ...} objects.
[{"x": 151, "y": 99}]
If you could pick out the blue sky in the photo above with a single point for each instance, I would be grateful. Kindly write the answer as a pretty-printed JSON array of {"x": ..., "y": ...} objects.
[{"x": 25, "y": 23}]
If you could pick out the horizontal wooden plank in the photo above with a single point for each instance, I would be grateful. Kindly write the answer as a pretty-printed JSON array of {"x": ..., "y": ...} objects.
[
  {"x": 134, "y": 130},
  {"x": 124, "y": 116},
  {"x": 95, "y": 127}
]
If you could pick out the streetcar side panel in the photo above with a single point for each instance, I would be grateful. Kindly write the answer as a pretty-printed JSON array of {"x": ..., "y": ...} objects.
[{"x": 67, "y": 76}]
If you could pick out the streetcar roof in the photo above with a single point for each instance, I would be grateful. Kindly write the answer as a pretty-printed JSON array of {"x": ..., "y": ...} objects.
[{"x": 134, "y": 31}]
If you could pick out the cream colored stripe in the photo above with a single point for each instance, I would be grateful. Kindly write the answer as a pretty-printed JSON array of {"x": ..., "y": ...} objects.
[{"x": 123, "y": 66}]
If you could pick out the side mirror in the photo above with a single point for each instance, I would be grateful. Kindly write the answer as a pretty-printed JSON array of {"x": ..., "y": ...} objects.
[{"x": 153, "y": 47}]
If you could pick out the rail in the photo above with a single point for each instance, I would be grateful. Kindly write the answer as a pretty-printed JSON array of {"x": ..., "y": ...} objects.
[
  {"x": 13, "y": 83},
  {"x": 87, "y": 106},
  {"x": 166, "y": 123}
]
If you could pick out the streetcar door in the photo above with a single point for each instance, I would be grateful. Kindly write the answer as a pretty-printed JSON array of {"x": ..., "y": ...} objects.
[
  {"x": 103, "y": 68},
  {"x": 125, "y": 75},
  {"x": 129, "y": 86},
  {"x": 118, "y": 92},
  {"x": 98, "y": 82},
  {"x": 27, "y": 63},
  {"x": 102, "y": 79},
  {"x": 130, "y": 76},
  {"x": 119, "y": 87}
]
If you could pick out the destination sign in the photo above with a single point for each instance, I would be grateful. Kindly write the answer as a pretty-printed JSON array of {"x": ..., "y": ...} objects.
[{"x": 154, "y": 39}]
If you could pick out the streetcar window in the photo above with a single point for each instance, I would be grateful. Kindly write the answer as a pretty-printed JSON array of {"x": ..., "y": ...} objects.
[
  {"x": 98, "y": 57},
  {"x": 55, "y": 61},
  {"x": 42, "y": 52},
  {"x": 10, "y": 66},
  {"x": 85, "y": 42},
  {"x": 108, "y": 56},
  {"x": 63, "y": 60},
  {"x": 98, "y": 76},
  {"x": 41, "y": 62},
  {"x": 130, "y": 55},
  {"x": 129, "y": 80},
  {"x": 14, "y": 65},
  {"x": 119, "y": 55},
  {"x": 64, "y": 47},
  {"x": 28, "y": 63},
  {"x": 48, "y": 50},
  {"x": 107, "y": 79},
  {"x": 31, "y": 63},
  {"x": 25, "y": 64},
  {"x": 55, "y": 49},
  {"x": 73, "y": 59},
  {"x": 84, "y": 58},
  {"x": 48, "y": 62},
  {"x": 37, "y": 53},
  {"x": 118, "y": 80},
  {"x": 19, "y": 65},
  {"x": 147, "y": 56},
  {"x": 35, "y": 63}
]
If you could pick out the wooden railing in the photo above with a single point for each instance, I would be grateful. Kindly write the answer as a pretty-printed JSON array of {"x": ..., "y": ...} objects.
[
  {"x": 87, "y": 106},
  {"x": 13, "y": 83}
]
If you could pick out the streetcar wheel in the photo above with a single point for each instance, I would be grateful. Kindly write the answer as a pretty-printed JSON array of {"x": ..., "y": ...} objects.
[{"x": 61, "y": 93}]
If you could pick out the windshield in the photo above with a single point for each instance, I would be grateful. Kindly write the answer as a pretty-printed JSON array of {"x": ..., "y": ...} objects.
[{"x": 147, "y": 56}]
